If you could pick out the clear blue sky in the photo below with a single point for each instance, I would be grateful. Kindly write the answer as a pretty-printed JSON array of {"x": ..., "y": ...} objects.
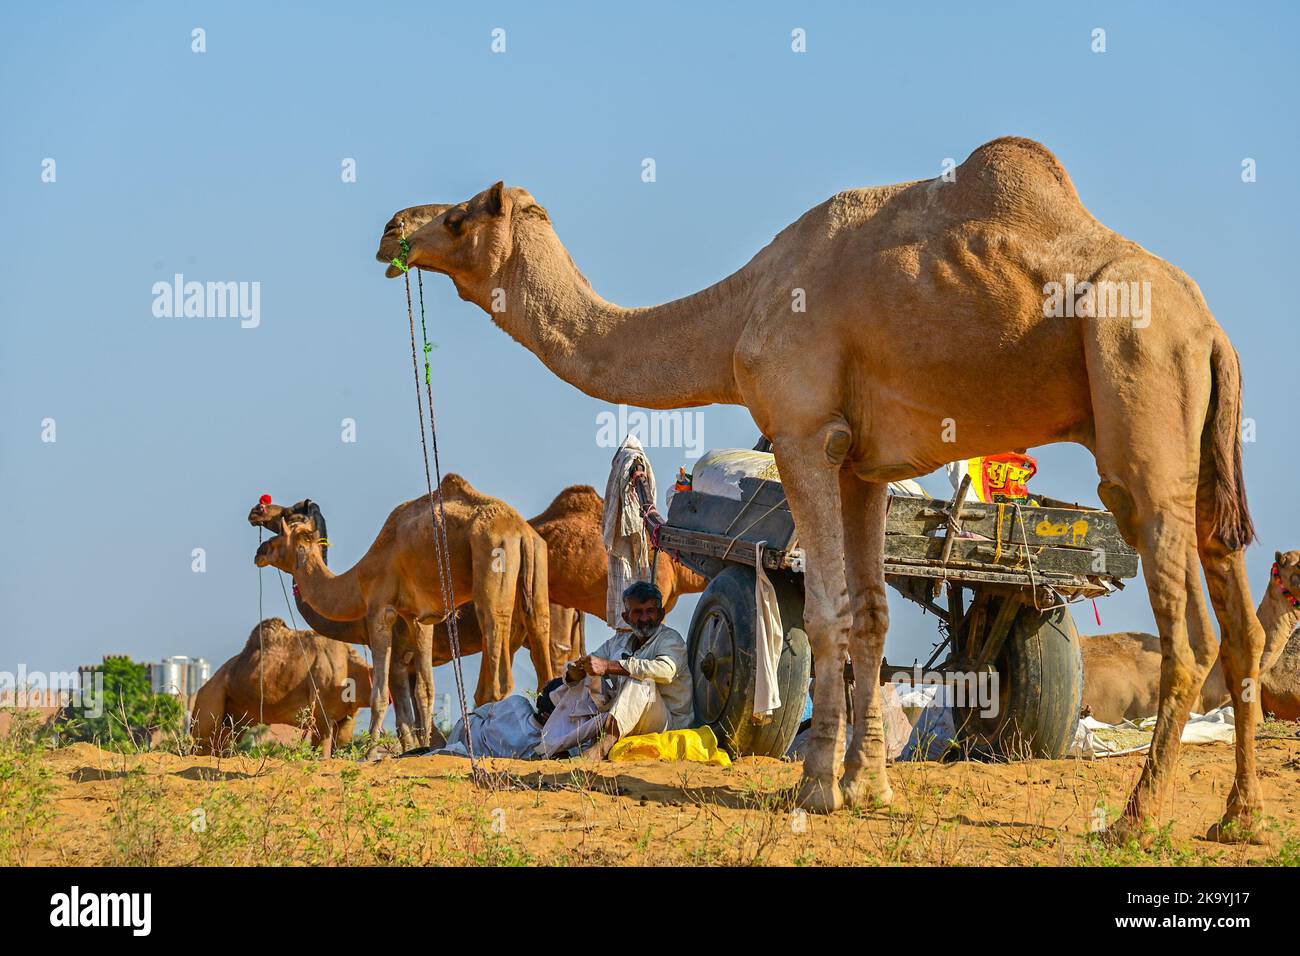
[{"x": 225, "y": 166}]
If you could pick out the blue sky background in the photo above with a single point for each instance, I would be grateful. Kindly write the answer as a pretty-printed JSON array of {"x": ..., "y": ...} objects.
[{"x": 225, "y": 166}]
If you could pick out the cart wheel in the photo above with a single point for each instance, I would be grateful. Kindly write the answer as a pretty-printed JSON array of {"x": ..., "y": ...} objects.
[
  {"x": 721, "y": 649},
  {"x": 1040, "y": 690}
]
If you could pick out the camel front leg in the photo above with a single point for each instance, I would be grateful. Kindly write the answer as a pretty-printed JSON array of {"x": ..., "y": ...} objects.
[
  {"x": 865, "y": 782},
  {"x": 381, "y": 645},
  {"x": 812, "y": 487},
  {"x": 424, "y": 686},
  {"x": 323, "y": 737}
]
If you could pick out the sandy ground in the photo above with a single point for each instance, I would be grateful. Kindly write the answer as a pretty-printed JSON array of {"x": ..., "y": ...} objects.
[{"x": 157, "y": 808}]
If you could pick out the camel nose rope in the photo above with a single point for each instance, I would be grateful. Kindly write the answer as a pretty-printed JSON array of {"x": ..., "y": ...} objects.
[{"x": 442, "y": 551}]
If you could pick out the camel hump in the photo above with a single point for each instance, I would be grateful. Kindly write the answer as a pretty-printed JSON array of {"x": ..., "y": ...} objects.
[
  {"x": 1017, "y": 157},
  {"x": 270, "y": 629},
  {"x": 583, "y": 498},
  {"x": 454, "y": 485}
]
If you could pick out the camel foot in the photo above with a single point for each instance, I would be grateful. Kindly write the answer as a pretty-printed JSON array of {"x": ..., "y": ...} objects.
[
  {"x": 1237, "y": 826},
  {"x": 375, "y": 754},
  {"x": 819, "y": 794},
  {"x": 1128, "y": 830},
  {"x": 868, "y": 790}
]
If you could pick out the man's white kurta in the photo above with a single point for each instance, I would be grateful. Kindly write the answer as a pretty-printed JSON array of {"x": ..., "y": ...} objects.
[{"x": 662, "y": 660}]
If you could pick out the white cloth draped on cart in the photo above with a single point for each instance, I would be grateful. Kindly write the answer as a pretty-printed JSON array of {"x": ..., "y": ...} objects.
[
  {"x": 626, "y": 540},
  {"x": 767, "y": 641}
]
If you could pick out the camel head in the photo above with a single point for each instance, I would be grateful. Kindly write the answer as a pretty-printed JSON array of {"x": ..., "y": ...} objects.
[
  {"x": 266, "y": 514},
  {"x": 405, "y": 224},
  {"x": 286, "y": 549},
  {"x": 469, "y": 241},
  {"x": 1287, "y": 576}
]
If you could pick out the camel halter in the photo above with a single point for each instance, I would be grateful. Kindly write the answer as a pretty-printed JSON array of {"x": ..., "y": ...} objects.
[
  {"x": 1276, "y": 574},
  {"x": 442, "y": 551}
]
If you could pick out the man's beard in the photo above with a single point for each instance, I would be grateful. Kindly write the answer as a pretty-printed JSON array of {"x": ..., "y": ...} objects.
[{"x": 646, "y": 630}]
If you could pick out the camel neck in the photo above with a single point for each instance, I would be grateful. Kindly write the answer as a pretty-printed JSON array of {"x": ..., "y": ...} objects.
[
  {"x": 337, "y": 597},
  {"x": 674, "y": 355},
  {"x": 1279, "y": 619}
]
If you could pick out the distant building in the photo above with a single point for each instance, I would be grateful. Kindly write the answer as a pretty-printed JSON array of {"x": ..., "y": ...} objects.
[{"x": 179, "y": 676}]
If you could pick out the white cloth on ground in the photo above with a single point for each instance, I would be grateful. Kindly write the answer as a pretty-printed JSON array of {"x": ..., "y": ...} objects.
[
  {"x": 502, "y": 728},
  {"x": 626, "y": 540},
  {"x": 768, "y": 637},
  {"x": 1093, "y": 738}
]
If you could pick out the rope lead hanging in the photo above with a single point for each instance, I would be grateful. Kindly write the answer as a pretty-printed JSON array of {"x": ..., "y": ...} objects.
[{"x": 437, "y": 513}]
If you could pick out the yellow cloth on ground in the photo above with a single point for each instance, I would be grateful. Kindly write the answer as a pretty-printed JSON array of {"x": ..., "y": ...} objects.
[{"x": 698, "y": 745}]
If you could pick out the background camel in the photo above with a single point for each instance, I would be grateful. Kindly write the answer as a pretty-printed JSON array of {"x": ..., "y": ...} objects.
[
  {"x": 496, "y": 560},
  {"x": 571, "y": 526},
  {"x": 1121, "y": 672},
  {"x": 1121, "y": 677},
  {"x": 411, "y": 690},
  {"x": 1279, "y": 613},
  {"x": 577, "y": 573},
  {"x": 286, "y": 677},
  {"x": 271, "y": 516},
  {"x": 891, "y": 330}
]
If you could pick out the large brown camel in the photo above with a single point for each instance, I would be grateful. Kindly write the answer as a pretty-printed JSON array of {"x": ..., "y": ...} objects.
[
  {"x": 1121, "y": 672},
  {"x": 890, "y": 330},
  {"x": 496, "y": 560},
  {"x": 282, "y": 677}
]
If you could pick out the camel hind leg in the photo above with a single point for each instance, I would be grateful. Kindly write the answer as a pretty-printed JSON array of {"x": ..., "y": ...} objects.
[
  {"x": 865, "y": 780},
  {"x": 1241, "y": 649},
  {"x": 496, "y": 576},
  {"x": 1148, "y": 454}
]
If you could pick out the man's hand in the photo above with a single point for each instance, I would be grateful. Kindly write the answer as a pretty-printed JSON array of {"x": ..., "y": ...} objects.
[{"x": 601, "y": 667}]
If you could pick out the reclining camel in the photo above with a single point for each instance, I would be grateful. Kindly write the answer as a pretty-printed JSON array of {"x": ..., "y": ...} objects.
[
  {"x": 290, "y": 677},
  {"x": 1121, "y": 672},
  {"x": 496, "y": 560}
]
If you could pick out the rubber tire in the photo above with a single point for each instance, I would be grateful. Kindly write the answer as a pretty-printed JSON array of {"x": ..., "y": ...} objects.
[
  {"x": 1040, "y": 687},
  {"x": 729, "y": 599}
]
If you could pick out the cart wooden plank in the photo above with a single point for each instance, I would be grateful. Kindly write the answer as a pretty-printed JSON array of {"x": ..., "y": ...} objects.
[{"x": 1036, "y": 526}]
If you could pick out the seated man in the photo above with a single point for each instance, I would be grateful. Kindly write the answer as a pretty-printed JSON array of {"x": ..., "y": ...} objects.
[{"x": 637, "y": 682}]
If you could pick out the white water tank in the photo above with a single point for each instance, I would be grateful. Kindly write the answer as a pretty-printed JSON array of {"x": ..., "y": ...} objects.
[
  {"x": 170, "y": 676},
  {"x": 199, "y": 671}
]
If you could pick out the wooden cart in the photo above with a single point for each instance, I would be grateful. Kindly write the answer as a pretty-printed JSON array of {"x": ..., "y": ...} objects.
[{"x": 1006, "y": 579}]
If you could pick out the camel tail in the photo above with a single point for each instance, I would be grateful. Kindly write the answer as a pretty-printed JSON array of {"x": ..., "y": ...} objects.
[{"x": 1221, "y": 442}]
